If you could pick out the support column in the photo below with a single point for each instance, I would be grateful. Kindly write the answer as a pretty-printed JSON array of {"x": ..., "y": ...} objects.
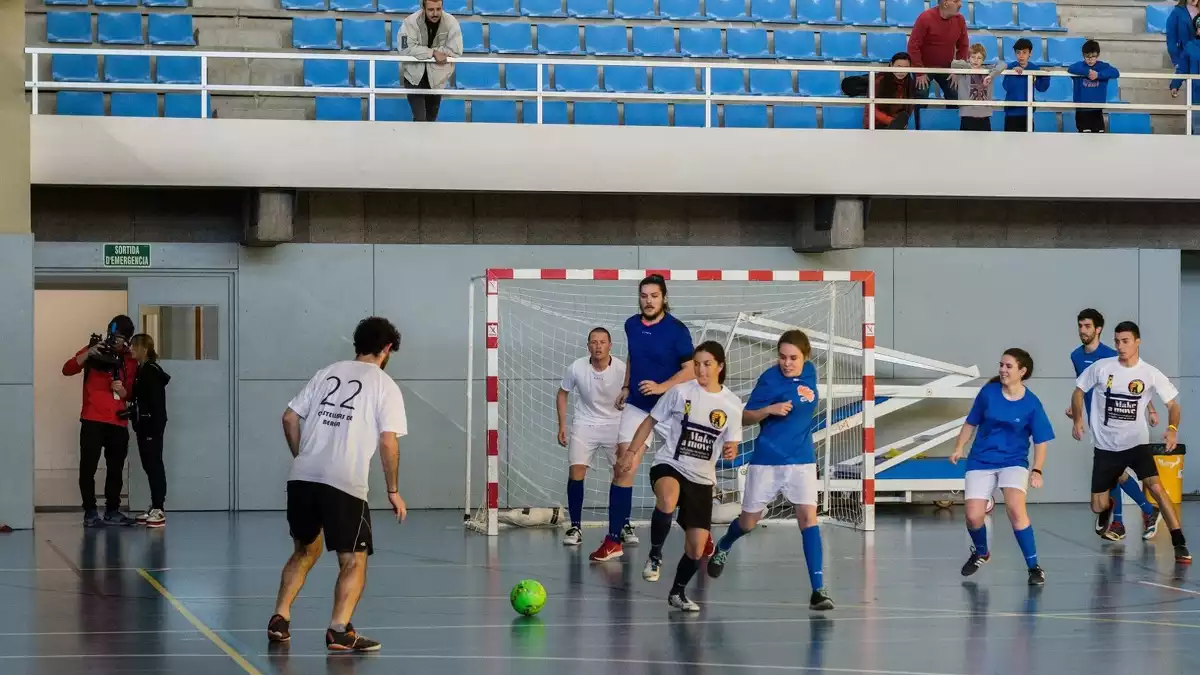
[
  {"x": 271, "y": 218},
  {"x": 830, "y": 223},
  {"x": 16, "y": 276}
]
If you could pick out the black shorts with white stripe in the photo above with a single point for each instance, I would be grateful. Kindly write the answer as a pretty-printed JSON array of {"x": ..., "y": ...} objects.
[{"x": 316, "y": 508}]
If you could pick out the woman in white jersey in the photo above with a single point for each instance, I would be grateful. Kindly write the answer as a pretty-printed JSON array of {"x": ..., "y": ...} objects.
[{"x": 703, "y": 419}]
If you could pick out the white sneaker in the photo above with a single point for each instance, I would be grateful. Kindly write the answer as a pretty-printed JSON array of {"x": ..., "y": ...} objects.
[
  {"x": 141, "y": 517},
  {"x": 156, "y": 518},
  {"x": 680, "y": 601},
  {"x": 573, "y": 537},
  {"x": 628, "y": 536},
  {"x": 651, "y": 571}
]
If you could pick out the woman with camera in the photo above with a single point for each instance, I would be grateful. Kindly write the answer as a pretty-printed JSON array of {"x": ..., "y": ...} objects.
[{"x": 148, "y": 414}]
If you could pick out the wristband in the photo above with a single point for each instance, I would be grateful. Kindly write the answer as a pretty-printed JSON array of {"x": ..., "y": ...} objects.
[
  {"x": 393, "y": 492},
  {"x": 1038, "y": 471},
  {"x": 1172, "y": 427}
]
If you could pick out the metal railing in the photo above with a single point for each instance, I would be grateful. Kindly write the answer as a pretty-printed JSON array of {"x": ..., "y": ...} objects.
[{"x": 206, "y": 89}]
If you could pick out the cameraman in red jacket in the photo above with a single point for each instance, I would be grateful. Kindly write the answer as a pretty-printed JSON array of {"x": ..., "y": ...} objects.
[{"x": 109, "y": 371}]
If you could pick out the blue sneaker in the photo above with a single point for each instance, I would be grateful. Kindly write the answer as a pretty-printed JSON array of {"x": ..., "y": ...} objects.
[
  {"x": 91, "y": 518},
  {"x": 116, "y": 518}
]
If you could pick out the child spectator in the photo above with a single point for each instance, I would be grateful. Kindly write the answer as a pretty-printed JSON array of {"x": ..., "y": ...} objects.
[
  {"x": 1091, "y": 86},
  {"x": 1016, "y": 87},
  {"x": 975, "y": 88},
  {"x": 892, "y": 85},
  {"x": 1179, "y": 28},
  {"x": 1189, "y": 63}
]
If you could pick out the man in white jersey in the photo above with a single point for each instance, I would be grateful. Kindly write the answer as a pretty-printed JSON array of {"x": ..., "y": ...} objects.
[
  {"x": 1121, "y": 388},
  {"x": 597, "y": 378},
  {"x": 333, "y": 427}
]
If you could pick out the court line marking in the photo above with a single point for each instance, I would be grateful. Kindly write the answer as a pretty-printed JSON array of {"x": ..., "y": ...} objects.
[
  {"x": 1171, "y": 588},
  {"x": 200, "y": 625}
]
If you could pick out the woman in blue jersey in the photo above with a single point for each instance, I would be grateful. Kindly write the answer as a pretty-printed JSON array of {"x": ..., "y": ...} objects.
[
  {"x": 783, "y": 403},
  {"x": 1008, "y": 416}
]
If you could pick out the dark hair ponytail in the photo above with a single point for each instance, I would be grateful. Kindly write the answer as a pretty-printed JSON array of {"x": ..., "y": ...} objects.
[
  {"x": 1023, "y": 359},
  {"x": 717, "y": 352}
]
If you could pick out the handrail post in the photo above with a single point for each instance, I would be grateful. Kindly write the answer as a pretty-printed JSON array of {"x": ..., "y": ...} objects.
[
  {"x": 1188, "y": 106},
  {"x": 371, "y": 90},
  {"x": 540, "y": 66},
  {"x": 203, "y": 87},
  {"x": 1028, "y": 102},
  {"x": 708, "y": 104},
  {"x": 871, "y": 101},
  {"x": 34, "y": 66}
]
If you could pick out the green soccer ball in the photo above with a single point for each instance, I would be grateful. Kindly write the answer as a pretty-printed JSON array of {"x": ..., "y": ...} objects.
[{"x": 528, "y": 597}]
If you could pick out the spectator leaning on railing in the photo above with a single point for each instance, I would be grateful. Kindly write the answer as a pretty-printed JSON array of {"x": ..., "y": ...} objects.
[
  {"x": 1179, "y": 28},
  {"x": 892, "y": 85},
  {"x": 431, "y": 35},
  {"x": 1091, "y": 86},
  {"x": 1189, "y": 64},
  {"x": 938, "y": 37},
  {"x": 975, "y": 88},
  {"x": 1016, "y": 87}
]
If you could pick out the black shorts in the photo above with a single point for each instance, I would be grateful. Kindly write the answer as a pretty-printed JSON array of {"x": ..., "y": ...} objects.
[
  {"x": 1107, "y": 466},
  {"x": 695, "y": 499},
  {"x": 316, "y": 508}
]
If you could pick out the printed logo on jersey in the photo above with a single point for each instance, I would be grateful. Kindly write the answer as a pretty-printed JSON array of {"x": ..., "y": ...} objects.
[
  {"x": 1136, "y": 387},
  {"x": 696, "y": 440},
  {"x": 805, "y": 394},
  {"x": 718, "y": 418},
  {"x": 1121, "y": 407}
]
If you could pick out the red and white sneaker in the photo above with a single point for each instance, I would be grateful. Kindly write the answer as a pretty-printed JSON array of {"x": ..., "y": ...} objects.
[
  {"x": 609, "y": 550},
  {"x": 709, "y": 548}
]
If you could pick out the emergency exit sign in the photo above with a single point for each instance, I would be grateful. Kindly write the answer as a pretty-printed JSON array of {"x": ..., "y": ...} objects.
[{"x": 127, "y": 255}]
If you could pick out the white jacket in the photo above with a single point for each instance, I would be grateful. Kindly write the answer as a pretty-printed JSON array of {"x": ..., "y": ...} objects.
[{"x": 414, "y": 38}]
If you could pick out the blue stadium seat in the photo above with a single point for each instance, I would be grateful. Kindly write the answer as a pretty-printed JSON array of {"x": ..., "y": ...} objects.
[
  {"x": 129, "y": 104},
  {"x": 339, "y": 108},
  {"x": 177, "y": 70},
  {"x": 79, "y": 103},
  {"x": 511, "y": 38},
  {"x": 990, "y": 43},
  {"x": 795, "y": 117},
  {"x": 606, "y": 40},
  {"x": 842, "y": 116},
  {"x": 727, "y": 81},
  {"x": 305, "y": 5},
  {"x": 1008, "y": 42},
  {"x": 588, "y": 9},
  {"x": 65, "y": 3},
  {"x": 903, "y": 12},
  {"x": 477, "y": 76},
  {"x": 882, "y": 47},
  {"x": 1038, "y": 16},
  {"x": 862, "y": 12},
  {"x": 542, "y": 9},
  {"x": 124, "y": 28},
  {"x": 495, "y": 8},
  {"x": 74, "y": 68},
  {"x": 692, "y": 115},
  {"x": 352, "y": 5},
  {"x": 646, "y": 115},
  {"x": 1068, "y": 120},
  {"x": 675, "y": 80},
  {"x": 576, "y": 78},
  {"x": 680, "y": 10},
  {"x": 796, "y": 45},
  {"x": 634, "y": 9},
  {"x": 393, "y": 110},
  {"x": 772, "y": 11},
  {"x": 839, "y": 46},
  {"x": 314, "y": 33},
  {"x": 364, "y": 35},
  {"x": 184, "y": 105},
  {"x": 494, "y": 111},
  {"x": 819, "y": 83},
  {"x": 557, "y": 38},
  {"x": 598, "y": 113},
  {"x": 322, "y": 73},
  {"x": 726, "y": 10},
  {"x": 164, "y": 3},
  {"x": 1060, "y": 91},
  {"x": 472, "y": 35},
  {"x": 771, "y": 83},
  {"x": 1114, "y": 93},
  {"x": 626, "y": 79},
  {"x": 116, "y": 3},
  {"x": 69, "y": 27},
  {"x": 127, "y": 69},
  {"x": 654, "y": 41},
  {"x": 939, "y": 119},
  {"x": 823, "y": 12},
  {"x": 1063, "y": 51},
  {"x": 1045, "y": 121},
  {"x": 1129, "y": 123},
  {"x": 747, "y": 43},
  {"x": 387, "y": 74},
  {"x": 700, "y": 42},
  {"x": 553, "y": 112},
  {"x": 745, "y": 116},
  {"x": 994, "y": 15},
  {"x": 452, "y": 110},
  {"x": 523, "y": 77},
  {"x": 172, "y": 30},
  {"x": 402, "y": 7},
  {"x": 1156, "y": 18}
]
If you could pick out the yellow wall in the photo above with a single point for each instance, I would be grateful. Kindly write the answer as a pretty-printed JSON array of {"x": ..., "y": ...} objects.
[{"x": 14, "y": 121}]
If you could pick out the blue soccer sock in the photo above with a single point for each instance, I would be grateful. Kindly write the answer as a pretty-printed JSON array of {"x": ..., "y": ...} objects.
[
  {"x": 1134, "y": 490},
  {"x": 575, "y": 501},
  {"x": 620, "y": 505},
  {"x": 979, "y": 539},
  {"x": 1028, "y": 547},
  {"x": 813, "y": 556},
  {"x": 731, "y": 535},
  {"x": 1115, "y": 496}
]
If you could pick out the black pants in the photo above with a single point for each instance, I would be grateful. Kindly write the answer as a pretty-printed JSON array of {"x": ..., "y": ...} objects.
[
  {"x": 1089, "y": 121},
  {"x": 424, "y": 106},
  {"x": 1016, "y": 122},
  {"x": 150, "y": 449},
  {"x": 974, "y": 123},
  {"x": 96, "y": 438}
]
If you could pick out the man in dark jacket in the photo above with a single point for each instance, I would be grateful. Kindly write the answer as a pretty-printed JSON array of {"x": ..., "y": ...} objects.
[{"x": 108, "y": 374}]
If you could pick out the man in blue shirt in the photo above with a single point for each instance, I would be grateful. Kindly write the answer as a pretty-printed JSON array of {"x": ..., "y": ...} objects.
[
  {"x": 660, "y": 357},
  {"x": 783, "y": 403},
  {"x": 1091, "y": 324}
]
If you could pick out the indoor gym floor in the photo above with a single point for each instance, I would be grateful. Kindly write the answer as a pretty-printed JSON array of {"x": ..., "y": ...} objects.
[{"x": 195, "y": 597}]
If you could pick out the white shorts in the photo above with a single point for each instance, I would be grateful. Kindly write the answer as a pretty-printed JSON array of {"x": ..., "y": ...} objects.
[
  {"x": 797, "y": 482},
  {"x": 981, "y": 483},
  {"x": 586, "y": 439},
  {"x": 631, "y": 418}
]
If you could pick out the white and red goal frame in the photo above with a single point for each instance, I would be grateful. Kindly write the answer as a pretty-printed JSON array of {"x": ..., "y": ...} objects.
[{"x": 495, "y": 276}]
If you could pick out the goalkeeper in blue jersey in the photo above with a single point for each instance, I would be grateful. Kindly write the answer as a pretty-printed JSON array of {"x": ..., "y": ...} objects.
[{"x": 783, "y": 403}]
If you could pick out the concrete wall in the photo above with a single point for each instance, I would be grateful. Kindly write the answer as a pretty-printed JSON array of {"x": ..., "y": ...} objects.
[{"x": 1189, "y": 376}]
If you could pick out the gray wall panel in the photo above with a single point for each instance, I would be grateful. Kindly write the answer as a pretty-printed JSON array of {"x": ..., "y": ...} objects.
[
  {"x": 16, "y": 330},
  {"x": 1159, "y": 305},
  {"x": 16, "y": 452},
  {"x": 90, "y": 255},
  {"x": 1189, "y": 315},
  {"x": 263, "y": 459}
]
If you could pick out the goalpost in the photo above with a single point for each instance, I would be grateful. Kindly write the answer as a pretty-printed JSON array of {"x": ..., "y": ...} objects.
[{"x": 536, "y": 325}]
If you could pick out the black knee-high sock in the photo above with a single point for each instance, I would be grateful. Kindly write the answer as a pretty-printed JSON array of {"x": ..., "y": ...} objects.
[
  {"x": 684, "y": 572},
  {"x": 660, "y": 527}
]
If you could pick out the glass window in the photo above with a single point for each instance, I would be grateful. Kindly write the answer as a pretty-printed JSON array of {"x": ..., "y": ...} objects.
[{"x": 182, "y": 332}]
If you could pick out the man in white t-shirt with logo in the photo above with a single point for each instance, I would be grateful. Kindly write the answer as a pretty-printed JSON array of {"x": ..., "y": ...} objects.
[
  {"x": 1121, "y": 388},
  {"x": 597, "y": 378},
  {"x": 333, "y": 427}
]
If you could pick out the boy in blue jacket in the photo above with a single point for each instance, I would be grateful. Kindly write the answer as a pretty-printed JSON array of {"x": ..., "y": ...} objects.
[
  {"x": 1091, "y": 86},
  {"x": 1016, "y": 118},
  {"x": 1189, "y": 64}
]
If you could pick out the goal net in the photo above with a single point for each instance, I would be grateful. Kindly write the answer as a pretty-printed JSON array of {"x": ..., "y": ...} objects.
[{"x": 537, "y": 322}]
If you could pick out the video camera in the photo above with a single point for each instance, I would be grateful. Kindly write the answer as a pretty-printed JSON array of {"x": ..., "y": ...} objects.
[{"x": 106, "y": 356}]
